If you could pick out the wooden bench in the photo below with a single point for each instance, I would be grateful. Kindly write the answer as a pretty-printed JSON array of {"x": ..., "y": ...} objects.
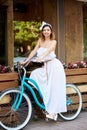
[
  {"x": 8, "y": 80},
  {"x": 79, "y": 78}
]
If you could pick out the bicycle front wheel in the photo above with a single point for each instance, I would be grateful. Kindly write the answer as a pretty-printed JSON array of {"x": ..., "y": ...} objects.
[
  {"x": 73, "y": 102},
  {"x": 10, "y": 118}
]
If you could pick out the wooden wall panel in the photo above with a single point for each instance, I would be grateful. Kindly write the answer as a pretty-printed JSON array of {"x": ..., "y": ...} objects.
[
  {"x": 73, "y": 30},
  {"x": 10, "y": 37}
]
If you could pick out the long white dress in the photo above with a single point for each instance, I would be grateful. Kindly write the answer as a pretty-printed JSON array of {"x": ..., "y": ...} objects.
[{"x": 52, "y": 83}]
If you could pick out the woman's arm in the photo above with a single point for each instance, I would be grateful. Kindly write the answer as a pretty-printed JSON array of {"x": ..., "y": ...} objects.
[
  {"x": 33, "y": 52},
  {"x": 49, "y": 50}
]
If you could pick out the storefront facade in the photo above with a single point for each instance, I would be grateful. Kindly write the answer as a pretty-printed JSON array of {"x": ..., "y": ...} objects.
[{"x": 66, "y": 17}]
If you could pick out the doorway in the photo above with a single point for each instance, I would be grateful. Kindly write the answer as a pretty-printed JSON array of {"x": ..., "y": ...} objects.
[{"x": 3, "y": 35}]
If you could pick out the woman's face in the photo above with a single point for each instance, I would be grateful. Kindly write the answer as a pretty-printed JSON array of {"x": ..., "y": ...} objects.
[{"x": 46, "y": 31}]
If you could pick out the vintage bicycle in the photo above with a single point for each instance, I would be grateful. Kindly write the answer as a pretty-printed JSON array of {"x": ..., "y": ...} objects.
[{"x": 16, "y": 113}]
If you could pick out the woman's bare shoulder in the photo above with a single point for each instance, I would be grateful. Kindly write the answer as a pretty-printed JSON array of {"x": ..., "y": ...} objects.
[
  {"x": 39, "y": 40},
  {"x": 54, "y": 42}
]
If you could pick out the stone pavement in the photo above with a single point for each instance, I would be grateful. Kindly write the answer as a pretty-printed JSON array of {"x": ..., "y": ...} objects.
[{"x": 79, "y": 123}]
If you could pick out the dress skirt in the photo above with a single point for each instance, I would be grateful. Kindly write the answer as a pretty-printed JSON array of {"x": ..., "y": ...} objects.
[{"x": 52, "y": 83}]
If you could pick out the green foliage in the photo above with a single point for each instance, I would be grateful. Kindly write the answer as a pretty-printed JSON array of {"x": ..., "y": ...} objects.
[{"x": 26, "y": 32}]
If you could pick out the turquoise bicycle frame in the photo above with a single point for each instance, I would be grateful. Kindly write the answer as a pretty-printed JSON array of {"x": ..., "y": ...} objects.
[
  {"x": 28, "y": 84},
  {"x": 24, "y": 84}
]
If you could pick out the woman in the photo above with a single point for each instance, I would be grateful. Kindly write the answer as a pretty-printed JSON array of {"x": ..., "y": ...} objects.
[{"x": 51, "y": 77}]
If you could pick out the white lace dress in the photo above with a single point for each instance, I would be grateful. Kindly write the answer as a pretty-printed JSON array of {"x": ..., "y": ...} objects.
[{"x": 52, "y": 83}]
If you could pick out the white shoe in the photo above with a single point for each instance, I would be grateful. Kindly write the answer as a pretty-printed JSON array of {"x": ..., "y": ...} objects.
[{"x": 52, "y": 117}]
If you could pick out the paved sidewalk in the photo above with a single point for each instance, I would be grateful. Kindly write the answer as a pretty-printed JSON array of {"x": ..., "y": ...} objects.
[{"x": 79, "y": 123}]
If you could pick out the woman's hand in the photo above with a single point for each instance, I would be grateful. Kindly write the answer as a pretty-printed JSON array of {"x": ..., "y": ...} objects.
[
  {"x": 38, "y": 59},
  {"x": 23, "y": 62}
]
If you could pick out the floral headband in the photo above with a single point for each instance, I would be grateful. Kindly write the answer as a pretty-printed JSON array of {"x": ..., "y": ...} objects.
[{"x": 43, "y": 24}]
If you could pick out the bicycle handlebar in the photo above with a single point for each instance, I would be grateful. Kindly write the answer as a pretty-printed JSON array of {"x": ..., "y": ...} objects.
[{"x": 19, "y": 66}]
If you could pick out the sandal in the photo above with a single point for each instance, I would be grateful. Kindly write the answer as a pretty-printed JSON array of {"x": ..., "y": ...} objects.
[{"x": 52, "y": 117}]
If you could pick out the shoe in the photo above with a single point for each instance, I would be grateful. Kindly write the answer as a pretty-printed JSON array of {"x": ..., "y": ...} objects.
[{"x": 52, "y": 117}]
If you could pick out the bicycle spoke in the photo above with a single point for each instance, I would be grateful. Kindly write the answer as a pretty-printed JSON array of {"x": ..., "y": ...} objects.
[{"x": 15, "y": 118}]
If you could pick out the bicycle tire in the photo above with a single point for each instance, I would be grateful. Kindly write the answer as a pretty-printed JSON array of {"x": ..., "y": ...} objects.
[
  {"x": 73, "y": 103},
  {"x": 11, "y": 119}
]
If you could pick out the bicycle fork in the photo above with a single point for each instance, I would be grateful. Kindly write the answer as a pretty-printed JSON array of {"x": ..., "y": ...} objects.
[{"x": 18, "y": 99}]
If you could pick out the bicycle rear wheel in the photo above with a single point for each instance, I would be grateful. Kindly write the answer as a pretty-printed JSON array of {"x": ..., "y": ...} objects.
[
  {"x": 73, "y": 102},
  {"x": 10, "y": 118}
]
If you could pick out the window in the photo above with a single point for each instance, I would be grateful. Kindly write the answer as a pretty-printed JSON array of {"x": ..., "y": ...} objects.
[{"x": 85, "y": 38}]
